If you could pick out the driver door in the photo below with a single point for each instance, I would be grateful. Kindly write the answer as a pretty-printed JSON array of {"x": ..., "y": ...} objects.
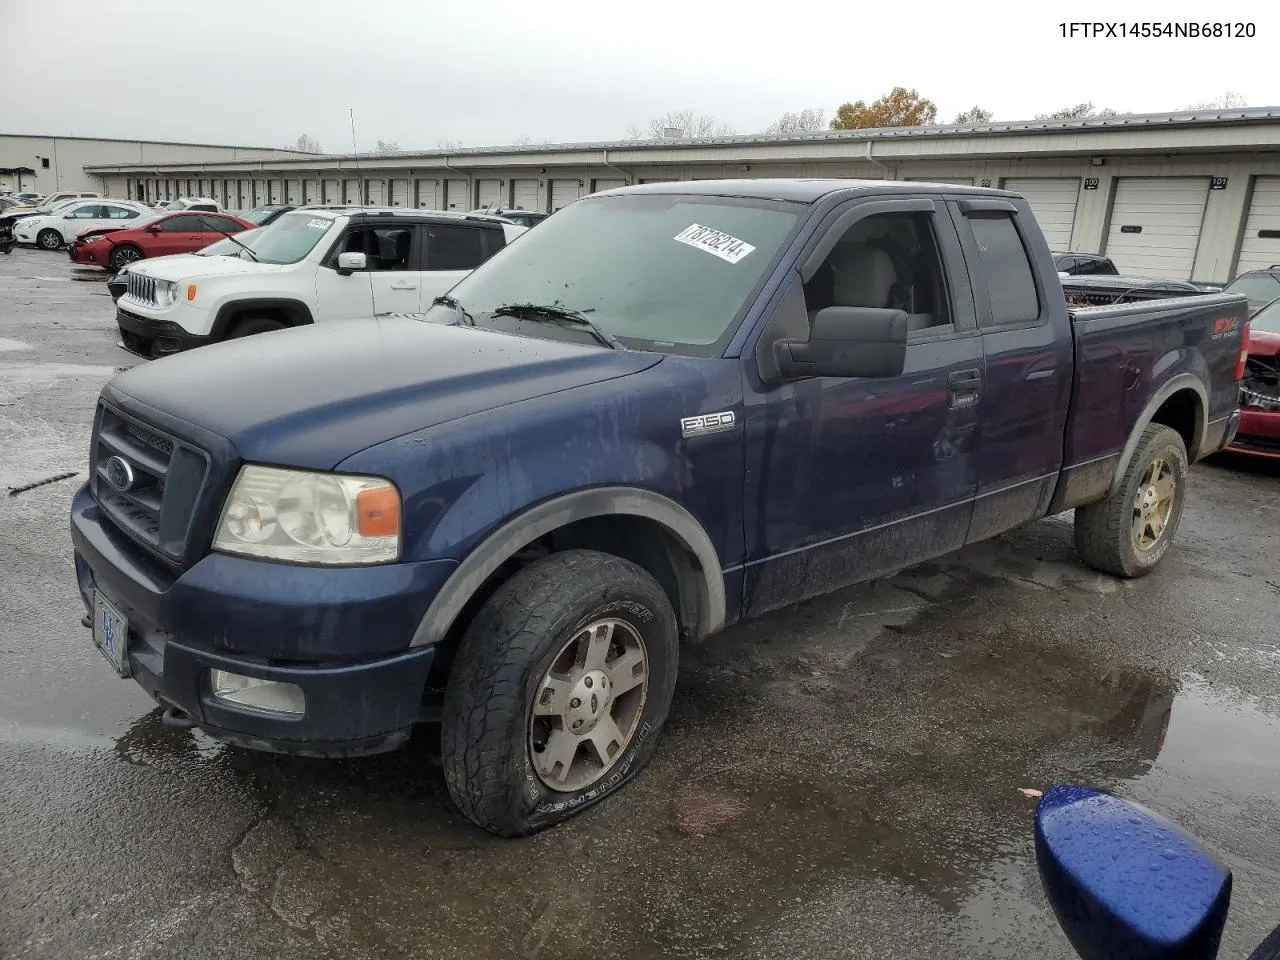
[
  {"x": 177, "y": 234},
  {"x": 339, "y": 296}
]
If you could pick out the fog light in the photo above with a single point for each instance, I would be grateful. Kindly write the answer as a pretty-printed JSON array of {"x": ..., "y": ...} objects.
[{"x": 259, "y": 694}]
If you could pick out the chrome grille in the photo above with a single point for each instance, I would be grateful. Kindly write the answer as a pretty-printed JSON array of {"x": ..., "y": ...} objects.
[
  {"x": 142, "y": 289},
  {"x": 146, "y": 481}
]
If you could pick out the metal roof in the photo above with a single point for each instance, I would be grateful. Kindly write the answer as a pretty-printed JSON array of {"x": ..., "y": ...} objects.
[{"x": 1185, "y": 118}]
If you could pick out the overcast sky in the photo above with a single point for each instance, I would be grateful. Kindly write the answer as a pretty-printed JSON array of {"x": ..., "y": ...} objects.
[{"x": 486, "y": 72}]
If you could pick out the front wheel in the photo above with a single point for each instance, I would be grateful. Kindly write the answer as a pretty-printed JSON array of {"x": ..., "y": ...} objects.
[
  {"x": 48, "y": 239},
  {"x": 122, "y": 256},
  {"x": 248, "y": 326},
  {"x": 1128, "y": 533},
  {"x": 559, "y": 689}
]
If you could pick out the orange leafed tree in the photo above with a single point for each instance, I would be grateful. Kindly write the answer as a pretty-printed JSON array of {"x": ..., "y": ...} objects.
[{"x": 899, "y": 107}]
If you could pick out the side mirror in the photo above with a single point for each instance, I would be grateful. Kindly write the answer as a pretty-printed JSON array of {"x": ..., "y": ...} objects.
[
  {"x": 349, "y": 263},
  {"x": 847, "y": 342},
  {"x": 1126, "y": 883}
]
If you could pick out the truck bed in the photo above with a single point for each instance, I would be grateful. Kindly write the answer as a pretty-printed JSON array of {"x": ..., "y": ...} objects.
[{"x": 1172, "y": 360}]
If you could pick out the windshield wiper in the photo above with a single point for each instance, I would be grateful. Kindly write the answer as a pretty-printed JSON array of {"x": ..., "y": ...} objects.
[
  {"x": 550, "y": 313},
  {"x": 231, "y": 237},
  {"x": 447, "y": 301}
]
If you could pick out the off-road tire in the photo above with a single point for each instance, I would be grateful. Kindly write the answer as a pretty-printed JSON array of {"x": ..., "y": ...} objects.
[
  {"x": 48, "y": 239},
  {"x": 1104, "y": 530},
  {"x": 500, "y": 664},
  {"x": 248, "y": 326},
  {"x": 117, "y": 261}
]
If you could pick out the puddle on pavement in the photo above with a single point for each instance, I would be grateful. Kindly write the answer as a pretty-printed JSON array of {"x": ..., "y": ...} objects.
[
  {"x": 7, "y": 344},
  {"x": 780, "y": 779}
]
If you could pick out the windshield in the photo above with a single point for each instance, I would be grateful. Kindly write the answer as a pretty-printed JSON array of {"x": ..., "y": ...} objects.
[
  {"x": 1259, "y": 288},
  {"x": 258, "y": 215},
  {"x": 229, "y": 248},
  {"x": 286, "y": 240},
  {"x": 662, "y": 272}
]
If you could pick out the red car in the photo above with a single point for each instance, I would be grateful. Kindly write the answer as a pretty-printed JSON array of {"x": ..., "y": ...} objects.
[
  {"x": 1259, "y": 433},
  {"x": 169, "y": 233}
]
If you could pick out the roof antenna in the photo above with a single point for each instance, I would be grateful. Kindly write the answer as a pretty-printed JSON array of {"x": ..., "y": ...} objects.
[{"x": 356, "y": 153}]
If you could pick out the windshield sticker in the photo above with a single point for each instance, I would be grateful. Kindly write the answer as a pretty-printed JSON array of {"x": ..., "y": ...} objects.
[
  {"x": 713, "y": 241},
  {"x": 319, "y": 224}
]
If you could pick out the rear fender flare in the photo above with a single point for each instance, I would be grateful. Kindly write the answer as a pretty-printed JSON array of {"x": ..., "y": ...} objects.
[
  {"x": 1183, "y": 381},
  {"x": 504, "y": 542}
]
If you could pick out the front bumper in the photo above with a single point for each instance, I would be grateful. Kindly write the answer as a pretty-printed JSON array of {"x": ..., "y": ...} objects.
[
  {"x": 1259, "y": 433},
  {"x": 85, "y": 254},
  {"x": 150, "y": 338},
  {"x": 341, "y": 634}
]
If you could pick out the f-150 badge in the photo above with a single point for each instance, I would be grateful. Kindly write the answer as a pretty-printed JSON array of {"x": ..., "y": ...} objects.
[{"x": 707, "y": 423}]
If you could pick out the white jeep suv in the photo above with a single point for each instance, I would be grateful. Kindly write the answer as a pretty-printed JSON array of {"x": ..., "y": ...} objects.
[{"x": 308, "y": 266}]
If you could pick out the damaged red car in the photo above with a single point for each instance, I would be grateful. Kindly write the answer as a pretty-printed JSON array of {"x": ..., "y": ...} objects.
[
  {"x": 1259, "y": 433},
  {"x": 159, "y": 237}
]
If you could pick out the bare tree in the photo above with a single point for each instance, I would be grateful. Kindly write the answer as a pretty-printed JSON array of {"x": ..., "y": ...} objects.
[
  {"x": 1230, "y": 100},
  {"x": 806, "y": 121},
  {"x": 974, "y": 115},
  {"x": 387, "y": 146},
  {"x": 1081, "y": 111},
  {"x": 690, "y": 125},
  {"x": 307, "y": 144}
]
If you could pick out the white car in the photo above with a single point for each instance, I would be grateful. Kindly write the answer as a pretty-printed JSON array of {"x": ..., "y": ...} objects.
[
  {"x": 207, "y": 204},
  {"x": 59, "y": 227},
  {"x": 308, "y": 266}
]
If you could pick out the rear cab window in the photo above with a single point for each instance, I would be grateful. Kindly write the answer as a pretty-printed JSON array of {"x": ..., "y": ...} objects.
[{"x": 1005, "y": 267}]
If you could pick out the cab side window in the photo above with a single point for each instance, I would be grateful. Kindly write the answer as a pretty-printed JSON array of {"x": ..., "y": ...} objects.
[
  {"x": 1011, "y": 285},
  {"x": 886, "y": 261},
  {"x": 384, "y": 248}
]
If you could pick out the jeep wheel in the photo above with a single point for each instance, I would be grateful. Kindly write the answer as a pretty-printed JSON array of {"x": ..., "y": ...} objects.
[
  {"x": 559, "y": 689},
  {"x": 48, "y": 239},
  {"x": 248, "y": 326},
  {"x": 1128, "y": 533},
  {"x": 122, "y": 256}
]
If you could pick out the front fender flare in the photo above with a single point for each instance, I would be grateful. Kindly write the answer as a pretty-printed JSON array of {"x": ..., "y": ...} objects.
[
  {"x": 1183, "y": 381},
  {"x": 500, "y": 545}
]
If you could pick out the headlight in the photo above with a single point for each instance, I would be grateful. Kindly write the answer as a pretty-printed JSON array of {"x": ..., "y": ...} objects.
[
  {"x": 166, "y": 292},
  {"x": 306, "y": 517}
]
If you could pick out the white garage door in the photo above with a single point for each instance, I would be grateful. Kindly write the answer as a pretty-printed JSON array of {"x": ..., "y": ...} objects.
[
  {"x": 598, "y": 185},
  {"x": 293, "y": 191},
  {"x": 524, "y": 194},
  {"x": 331, "y": 191},
  {"x": 563, "y": 193},
  {"x": 351, "y": 192},
  {"x": 958, "y": 181},
  {"x": 400, "y": 193},
  {"x": 310, "y": 191},
  {"x": 428, "y": 193},
  {"x": 489, "y": 193},
  {"x": 1261, "y": 244},
  {"x": 275, "y": 191},
  {"x": 455, "y": 195},
  {"x": 377, "y": 192},
  {"x": 1053, "y": 201},
  {"x": 1155, "y": 226}
]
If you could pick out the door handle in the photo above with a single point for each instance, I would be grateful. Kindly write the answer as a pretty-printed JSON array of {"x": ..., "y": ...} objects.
[
  {"x": 963, "y": 388},
  {"x": 404, "y": 286}
]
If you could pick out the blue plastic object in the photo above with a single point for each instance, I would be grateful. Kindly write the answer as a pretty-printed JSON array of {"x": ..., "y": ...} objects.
[{"x": 1125, "y": 883}]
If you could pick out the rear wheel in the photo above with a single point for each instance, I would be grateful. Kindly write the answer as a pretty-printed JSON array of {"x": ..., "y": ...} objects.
[
  {"x": 559, "y": 689},
  {"x": 248, "y": 326},
  {"x": 1129, "y": 533},
  {"x": 122, "y": 256},
  {"x": 48, "y": 239}
]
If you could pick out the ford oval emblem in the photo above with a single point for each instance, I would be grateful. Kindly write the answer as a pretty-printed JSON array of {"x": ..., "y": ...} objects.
[{"x": 120, "y": 474}]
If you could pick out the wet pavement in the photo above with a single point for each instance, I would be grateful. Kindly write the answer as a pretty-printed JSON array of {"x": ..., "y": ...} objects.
[{"x": 840, "y": 779}]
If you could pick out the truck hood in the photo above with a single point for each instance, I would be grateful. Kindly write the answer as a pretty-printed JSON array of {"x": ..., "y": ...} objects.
[
  {"x": 188, "y": 266},
  {"x": 313, "y": 396}
]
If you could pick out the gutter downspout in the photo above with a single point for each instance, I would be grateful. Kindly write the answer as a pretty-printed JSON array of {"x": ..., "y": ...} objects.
[
  {"x": 627, "y": 176},
  {"x": 893, "y": 174}
]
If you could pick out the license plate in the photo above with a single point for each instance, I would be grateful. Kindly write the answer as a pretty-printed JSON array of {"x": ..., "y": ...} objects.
[{"x": 111, "y": 634}]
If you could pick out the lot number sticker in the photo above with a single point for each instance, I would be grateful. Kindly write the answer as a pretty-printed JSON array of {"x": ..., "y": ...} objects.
[{"x": 713, "y": 241}]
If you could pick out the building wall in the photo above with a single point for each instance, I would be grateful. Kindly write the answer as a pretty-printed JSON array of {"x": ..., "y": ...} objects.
[
  {"x": 68, "y": 156},
  {"x": 1216, "y": 252}
]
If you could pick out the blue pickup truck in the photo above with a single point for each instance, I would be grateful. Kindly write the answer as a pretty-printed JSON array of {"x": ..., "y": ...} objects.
[{"x": 669, "y": 408}]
